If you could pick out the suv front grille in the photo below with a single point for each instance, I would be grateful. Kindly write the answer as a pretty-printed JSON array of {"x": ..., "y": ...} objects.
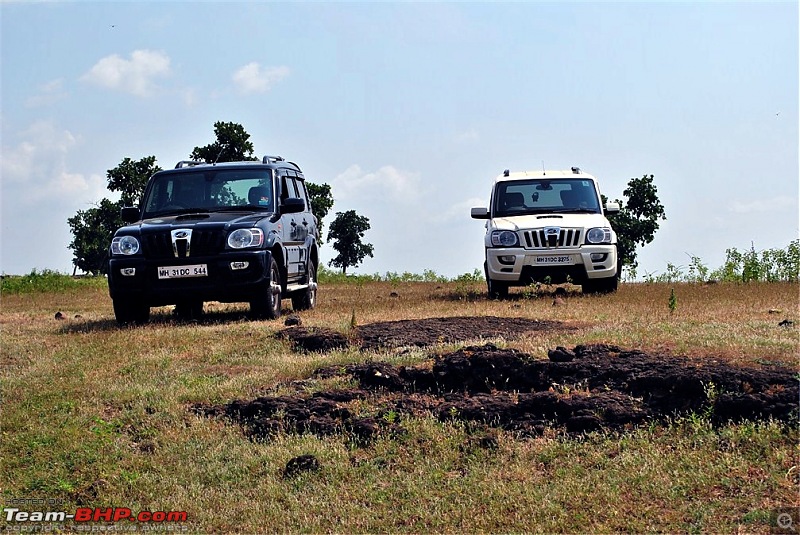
[
  {"x": 204, "y": 243},
  {"x": 538, "y": 239}
]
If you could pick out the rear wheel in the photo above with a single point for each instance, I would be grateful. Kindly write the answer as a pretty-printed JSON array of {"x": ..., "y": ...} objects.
[
  {"x": 601, "y": 286},
  {"x": 268, "y": 303},
  {"x": 307, "y": 299},
  {"x": 127, "y": 311}
]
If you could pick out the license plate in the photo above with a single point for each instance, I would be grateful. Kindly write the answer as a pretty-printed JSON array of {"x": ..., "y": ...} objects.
[
  {"x": 551, "y": 260},
  {"x": 180, "y": 272}
]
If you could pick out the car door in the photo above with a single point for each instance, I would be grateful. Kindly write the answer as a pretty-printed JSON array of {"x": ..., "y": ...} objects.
[
  {"x": 293, "y": 237},
  {"x": 308, "y": 220}
]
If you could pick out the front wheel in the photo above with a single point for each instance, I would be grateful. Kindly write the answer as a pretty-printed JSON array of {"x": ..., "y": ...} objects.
[
  {"x": 497, "y": 289},
  {"x": 189, "y": 310},
  {"x": 127, "y": 311},
  {"x": 268, "y": 304}
]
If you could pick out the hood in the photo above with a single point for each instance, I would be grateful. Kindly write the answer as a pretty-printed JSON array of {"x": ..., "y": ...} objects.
[
  {"x": 210, "y": 220},
  {"x": 522, "y": 222}
]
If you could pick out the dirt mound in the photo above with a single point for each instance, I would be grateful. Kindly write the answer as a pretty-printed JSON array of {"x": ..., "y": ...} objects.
[
  {"x": 418, "y": 333},
  {"x": 586, "y": 388},
  {"x": 314, "y": 338}
]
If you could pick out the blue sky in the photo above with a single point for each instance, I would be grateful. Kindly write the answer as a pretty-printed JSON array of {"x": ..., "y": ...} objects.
[{"x": 409, "y": 110}]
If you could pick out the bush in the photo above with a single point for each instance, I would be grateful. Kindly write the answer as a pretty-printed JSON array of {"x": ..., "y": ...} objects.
[
  {"x": 46, "y": 281},
  {"x": 770, "y": 265}
]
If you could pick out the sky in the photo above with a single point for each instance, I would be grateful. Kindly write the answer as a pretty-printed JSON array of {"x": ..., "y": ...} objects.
[{"x": 409, "y": 110}]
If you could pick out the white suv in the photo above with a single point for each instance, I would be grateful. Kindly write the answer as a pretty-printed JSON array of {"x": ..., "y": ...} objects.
[{"x": 549, "y": 226}]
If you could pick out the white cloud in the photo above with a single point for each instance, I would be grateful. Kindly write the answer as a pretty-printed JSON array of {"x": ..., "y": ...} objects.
[
  {"x": 135, "y": 75},
  {"x": 763, "y": 205},
  {"x": 458, "y": 211},
  {"x": 39, "y": 193},
  {"x": 36, "y": 167},
  {"x": 387, "y": 183},
  {"x": 252, "y": 78},
  {"x": 49, "y": 93}
]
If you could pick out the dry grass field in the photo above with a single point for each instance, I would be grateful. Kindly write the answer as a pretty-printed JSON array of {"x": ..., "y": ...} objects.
[{"x": 94, "y": 415}]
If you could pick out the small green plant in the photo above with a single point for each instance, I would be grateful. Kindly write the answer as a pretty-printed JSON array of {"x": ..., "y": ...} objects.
[
  {"x": 391, "y": 417},
  {"x": 673, "y": 301}
]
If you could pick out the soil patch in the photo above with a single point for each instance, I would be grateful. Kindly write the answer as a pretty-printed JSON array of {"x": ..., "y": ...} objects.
[
  {"x": 587, "y": 388},
  {"x": 418, "y": 333}
]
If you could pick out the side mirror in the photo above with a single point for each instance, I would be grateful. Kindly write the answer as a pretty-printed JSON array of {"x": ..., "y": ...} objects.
[
  {"x": 479, "y": 212},
  {"x": 612, "y": 207},
  {"x": 292, "y": 205},
  {"x": 129, "y": 214}
]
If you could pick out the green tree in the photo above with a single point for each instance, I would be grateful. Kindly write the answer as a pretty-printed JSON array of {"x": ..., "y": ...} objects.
[
  {"x": 232, "y": 145},
  {"x": 93, "y": 229},
  {"x": 638, "y": 219},
  {"x": 130, "y": 178},
  {"x": 321, "y": 200},
  {"x": 347, "y": 231}
]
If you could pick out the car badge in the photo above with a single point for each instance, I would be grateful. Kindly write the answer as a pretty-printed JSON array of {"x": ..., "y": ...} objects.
[
  {"x": 551, "y": 235},
  {"x": 179, "y": 246}
]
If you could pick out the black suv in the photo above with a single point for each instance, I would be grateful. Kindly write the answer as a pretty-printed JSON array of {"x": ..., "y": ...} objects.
[{"x": 229, "y": 232}]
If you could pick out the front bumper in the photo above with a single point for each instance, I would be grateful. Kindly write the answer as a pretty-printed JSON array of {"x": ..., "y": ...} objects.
[
  {"x": 222, "y": 283},
  {"x": 519, "y": 266}
]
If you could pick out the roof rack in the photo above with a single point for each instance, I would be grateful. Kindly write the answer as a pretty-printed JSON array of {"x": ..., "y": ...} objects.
[
  {"x": 188, "y": 163},
  {"x": 276, "y": 159},
  {"x": 272, "y": 159}
]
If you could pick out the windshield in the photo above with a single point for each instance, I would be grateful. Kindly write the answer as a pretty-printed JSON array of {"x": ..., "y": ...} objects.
[
  {"x": 210, "y": 190},
  {"x": 521, "y": 197}
]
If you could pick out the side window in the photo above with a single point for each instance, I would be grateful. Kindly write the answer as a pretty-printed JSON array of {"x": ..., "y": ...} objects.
[
  {"x": 302, "y": 192},
  {"x": 287, "y": 188}
]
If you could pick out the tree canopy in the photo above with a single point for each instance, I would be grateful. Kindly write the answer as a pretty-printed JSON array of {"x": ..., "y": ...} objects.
[
  {"x": 347, "y": 231},
  {"x": 232, "y": 145},
  {"x": 321, "y": 200},
  {"x": 638, "y": 219}
]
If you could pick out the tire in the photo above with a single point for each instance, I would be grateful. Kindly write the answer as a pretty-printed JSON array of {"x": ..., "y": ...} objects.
[
  {"x": 268, "y": 303},
  {"x": 307, "y": 299},
  {"x": 127, "y": 312},
  {"x": 497, "y": 289},
  {"x": 189, "y": 310},
  {"x": 600, "y": 286}
]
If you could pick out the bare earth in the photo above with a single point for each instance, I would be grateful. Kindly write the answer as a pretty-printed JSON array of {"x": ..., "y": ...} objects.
[{"x": 586, "y": 388}]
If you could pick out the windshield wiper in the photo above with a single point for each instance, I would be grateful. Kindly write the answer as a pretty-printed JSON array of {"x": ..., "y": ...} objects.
[
  {"x": 245, "y": 208},
  {"x": 576, "y": 211},
  {"x": 180, "y": 211}
]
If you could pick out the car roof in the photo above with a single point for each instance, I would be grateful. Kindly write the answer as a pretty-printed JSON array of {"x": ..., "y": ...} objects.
[
  {"x": 271, "y": 162},
  {"x": 554, "y": 174}
]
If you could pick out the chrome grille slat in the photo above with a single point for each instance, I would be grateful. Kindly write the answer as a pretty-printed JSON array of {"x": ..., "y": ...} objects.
[{"x": 567, "y": 237}]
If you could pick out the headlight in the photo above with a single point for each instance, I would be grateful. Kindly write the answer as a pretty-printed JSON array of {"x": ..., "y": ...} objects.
[
  {"x": 126, "y": 245},
  {"x": 504, "y": 238},
  {"x": 598, "y": 235},
  {"x": 245, "y": 237}
]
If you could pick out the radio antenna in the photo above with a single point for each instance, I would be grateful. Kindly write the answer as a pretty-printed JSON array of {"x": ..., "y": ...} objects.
[
  {"x": 544, "y": 173},
  {"x": 220, "y": 154}
]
